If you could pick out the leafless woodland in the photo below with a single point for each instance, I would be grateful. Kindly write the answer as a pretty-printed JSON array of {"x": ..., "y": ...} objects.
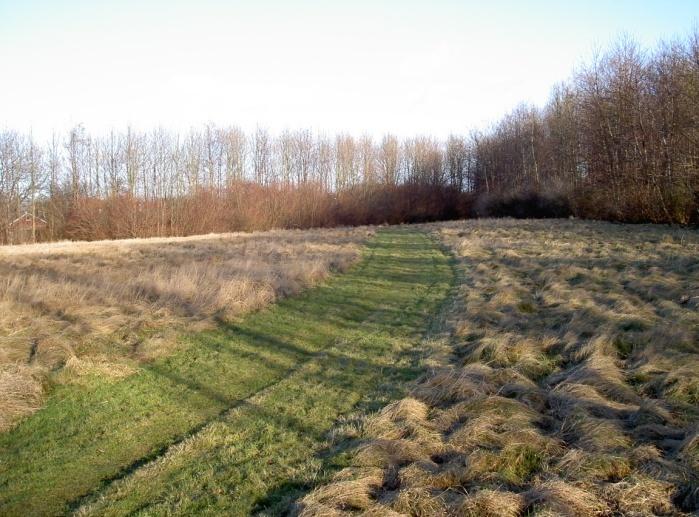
[{"x": 619, "y": 140}]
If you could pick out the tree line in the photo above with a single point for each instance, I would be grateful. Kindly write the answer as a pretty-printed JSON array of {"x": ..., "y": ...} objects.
[
  {"x": 142, "y": 184},
  {"x": 619, "y": 140}
]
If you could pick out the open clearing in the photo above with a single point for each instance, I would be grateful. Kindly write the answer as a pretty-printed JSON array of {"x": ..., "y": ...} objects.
[
  {"x": 559, "y": 375},
  {"x": 569, "y": 384},
  {"x": 235, "y": 419}
]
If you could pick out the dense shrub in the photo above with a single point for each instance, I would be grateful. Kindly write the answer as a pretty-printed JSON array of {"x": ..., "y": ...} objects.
[{"x": 524, "y": 205}]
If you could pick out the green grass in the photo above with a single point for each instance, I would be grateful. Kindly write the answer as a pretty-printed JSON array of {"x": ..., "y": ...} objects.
[
  {"x": 518, "y": 462},
  {"x": 236, "y": 420}
]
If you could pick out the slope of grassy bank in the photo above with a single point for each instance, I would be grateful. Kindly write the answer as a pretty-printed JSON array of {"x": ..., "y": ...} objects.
[{"x": 236, "y": 420}]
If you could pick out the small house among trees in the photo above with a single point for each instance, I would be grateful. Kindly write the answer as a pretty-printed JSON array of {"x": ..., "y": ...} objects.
[{"x": 26, "y": 228}]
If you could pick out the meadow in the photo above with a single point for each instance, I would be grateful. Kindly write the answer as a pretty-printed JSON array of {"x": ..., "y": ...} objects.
[
  {"x": 481, "y": 367},
  {"x": 69, "y": 309},
  {"x": 316, "y": 260},
  {"x": 567, "y": 383},
  {"x": 232, "y": 419}
]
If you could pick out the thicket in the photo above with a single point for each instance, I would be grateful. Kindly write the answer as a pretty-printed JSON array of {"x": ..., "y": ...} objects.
[{"x": 618, "y": 141}]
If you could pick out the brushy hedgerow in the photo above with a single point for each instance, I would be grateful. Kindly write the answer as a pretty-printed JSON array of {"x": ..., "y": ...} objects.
[
  {"x": 572, "y": 387},
  {"x": 67, "y": 309}
]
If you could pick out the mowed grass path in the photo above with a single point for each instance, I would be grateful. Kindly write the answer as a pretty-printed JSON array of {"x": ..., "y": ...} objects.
[{"x": 236, "y": 421}]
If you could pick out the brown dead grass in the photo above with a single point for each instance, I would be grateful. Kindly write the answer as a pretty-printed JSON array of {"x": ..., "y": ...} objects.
[
  {"x": 573, "y": 384},
  {"x": 67, "y": 309}
]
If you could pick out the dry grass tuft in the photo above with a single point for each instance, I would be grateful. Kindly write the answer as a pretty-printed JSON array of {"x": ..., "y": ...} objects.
[
  {"x": 351, "y": 490},
  {"x": 573, "y": 384},
  {"x": 388, "y": 453},
  {"x": 564, "y": 499},
  {"x": 639, "y": 496},
  {"x": 419, "y": 502},
  {"x": 22, "y": 392},
  {"x": 493, "y": 503},
  {"x": 592, "y": 467},
  {"x": 450, "y": 384}
]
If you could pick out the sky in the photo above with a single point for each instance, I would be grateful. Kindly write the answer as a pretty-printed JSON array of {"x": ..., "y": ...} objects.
[{"x": 361, "y": 67}]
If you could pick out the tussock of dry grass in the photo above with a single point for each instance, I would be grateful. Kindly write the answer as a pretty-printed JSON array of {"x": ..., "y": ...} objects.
[
  {"x": 104, "y": 307},
  {"x": 21, "y": 392},
  {"x": 563, "y": 499},
  {"x": 573, "y": 386},
  {"x": 350, "y": 492},
  {"x": 492, "y": 503}
]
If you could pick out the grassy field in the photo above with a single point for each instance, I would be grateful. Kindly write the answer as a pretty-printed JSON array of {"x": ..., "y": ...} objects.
[
  {"x": 571, "y": 387},
  {"x": 70, "y": 310},
  {"x": 235, "y": 419},
  {"x": 558, "y": 366}
]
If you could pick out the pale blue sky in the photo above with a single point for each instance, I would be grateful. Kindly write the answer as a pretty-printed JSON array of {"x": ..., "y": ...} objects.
[{"x": 407, "y": 67}]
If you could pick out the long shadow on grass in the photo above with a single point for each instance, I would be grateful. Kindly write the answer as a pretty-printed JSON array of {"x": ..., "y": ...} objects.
[{"x": 196, "y": 390}]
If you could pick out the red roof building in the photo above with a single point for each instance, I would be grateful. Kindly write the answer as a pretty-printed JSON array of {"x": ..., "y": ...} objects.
[{"x": 26, "y": 228}]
